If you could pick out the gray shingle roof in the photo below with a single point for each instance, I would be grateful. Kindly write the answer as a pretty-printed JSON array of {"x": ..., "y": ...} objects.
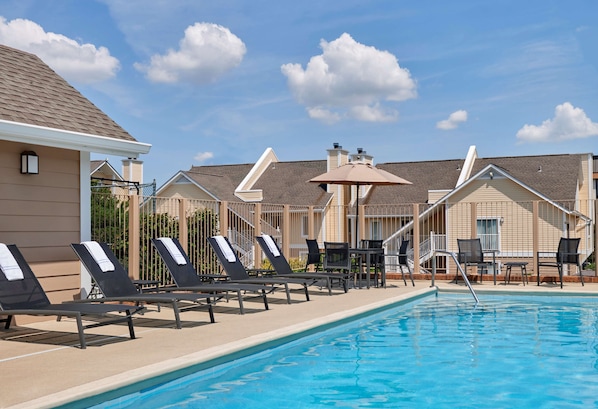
[
  {"x": 288, "y": 182},
  {"x": 556, "y": 180},
  {"x": 220, "y": 180},
  {"x": 32, "y": 93},
  {"x": 429, "y": 175}
]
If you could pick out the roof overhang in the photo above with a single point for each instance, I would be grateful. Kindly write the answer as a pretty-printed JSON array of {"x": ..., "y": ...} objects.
[{"x": 56, "y": 138}]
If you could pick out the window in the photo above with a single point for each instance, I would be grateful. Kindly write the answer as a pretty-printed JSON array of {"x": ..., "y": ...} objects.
[
  {"x": 487, "y": 230},
  {"x": 304, "y": 226},
  {"x": 375, "y": 233}
]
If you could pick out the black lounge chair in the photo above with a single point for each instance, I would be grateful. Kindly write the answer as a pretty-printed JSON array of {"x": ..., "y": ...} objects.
[
  {"x": 283, "y": 269},
  {"x": 237, "y": 273},
  {"x": 186, "y": 278},
  {"x": 116, "y": 286},
  {"x": 25, "y": 296}
]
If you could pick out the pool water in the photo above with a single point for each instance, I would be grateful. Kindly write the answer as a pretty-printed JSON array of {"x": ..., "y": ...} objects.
[{"x": 437, "y": 352}]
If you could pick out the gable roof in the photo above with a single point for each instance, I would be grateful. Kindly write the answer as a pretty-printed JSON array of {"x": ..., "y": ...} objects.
[
  {"x": 554, "y": 176},
  {"x": 40, "y": 107}
]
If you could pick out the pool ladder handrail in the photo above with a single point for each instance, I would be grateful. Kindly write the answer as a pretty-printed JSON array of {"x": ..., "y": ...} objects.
[{"x": 454, "y": 256}]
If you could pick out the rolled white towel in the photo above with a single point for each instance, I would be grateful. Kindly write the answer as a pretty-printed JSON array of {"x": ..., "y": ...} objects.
[
  {"x": 99, "y": 255},
  {"x": 271, "y": 245},
  {"x": 225, "y": 248},
  {"x": 9, "y": 265},
  {"x": 173, "y": 250}
]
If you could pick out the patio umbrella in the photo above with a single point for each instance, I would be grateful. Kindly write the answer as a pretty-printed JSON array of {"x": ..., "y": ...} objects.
[{"x": 359, "y": 174}]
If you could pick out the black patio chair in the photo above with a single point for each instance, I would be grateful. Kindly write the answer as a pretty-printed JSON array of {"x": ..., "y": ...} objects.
[
  {"x": 283, "y": 268},
  {"x": 567, "y": 253},
  {"x": 401, "y": 261},
  {"x": 186, "y": 277},
  {"x": 314, "y": 255},
  {"x": 338, "y": 258},
  {"x": 471, "y": 254},
  {"x": 116, "y": 286},
  {"x": 25, "y": 296},
  {"x": 236, "y": 272}
]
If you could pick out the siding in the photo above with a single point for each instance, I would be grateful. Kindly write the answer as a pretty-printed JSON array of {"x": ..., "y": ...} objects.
[{"x": 40, "y": 214}]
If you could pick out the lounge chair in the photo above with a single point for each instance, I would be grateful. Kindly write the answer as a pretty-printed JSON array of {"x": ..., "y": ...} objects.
[
  {"x": 116, "y": 286},
  {"x": 283, "y": 269},
  {"x": 567, "y": 253},
  {"x": 237, "y": 273},
  {"x": 186, "y": 278},
  {"x": 22, "y": 294}
]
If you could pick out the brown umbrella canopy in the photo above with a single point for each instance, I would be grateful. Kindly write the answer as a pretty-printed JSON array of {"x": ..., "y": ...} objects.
[{"x": 358, "y": 174}]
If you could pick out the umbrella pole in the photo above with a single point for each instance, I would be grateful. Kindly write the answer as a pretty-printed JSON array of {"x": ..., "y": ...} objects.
[{"x": 357, "y": 219}]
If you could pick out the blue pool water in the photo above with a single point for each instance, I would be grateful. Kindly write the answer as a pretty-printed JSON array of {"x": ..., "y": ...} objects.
[{"x": 437, "y": 352}]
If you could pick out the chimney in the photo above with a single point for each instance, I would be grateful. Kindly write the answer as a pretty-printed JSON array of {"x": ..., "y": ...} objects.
[
  {"x": 337, "y": 156},
  {"x": 361, "y": 156},
  {"x": 133, "y": 170}
]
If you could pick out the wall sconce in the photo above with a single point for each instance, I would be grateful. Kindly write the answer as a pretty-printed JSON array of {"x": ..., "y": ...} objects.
[
  {"x": 29, "y": 163},
  {"x": 491, "y": 175}
]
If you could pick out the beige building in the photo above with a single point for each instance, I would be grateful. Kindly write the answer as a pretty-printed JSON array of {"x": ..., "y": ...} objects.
[{"x": 44, "y": 212}]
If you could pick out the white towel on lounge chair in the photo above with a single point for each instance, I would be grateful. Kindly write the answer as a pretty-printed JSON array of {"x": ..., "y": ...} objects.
[
  {"x": 225, "y": 248},
  {"x": 99, "y": 255},
  {"x": 9, "y": 265},
  {"x": 271, "y": 245},
  {"x": 173, "y": 250}
]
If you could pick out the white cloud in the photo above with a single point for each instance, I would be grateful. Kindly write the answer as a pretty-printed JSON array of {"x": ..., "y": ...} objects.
[
  {"x": 453, "y": 120},
  {"x": 568, "y": 123},
  {"x": 82, "y": 63},
  {"x": 205, "y": 53},
  {"x": 323, "y": 115},
  {"x": 201, "y": 157},
  {"x": 351, "y": 79}
]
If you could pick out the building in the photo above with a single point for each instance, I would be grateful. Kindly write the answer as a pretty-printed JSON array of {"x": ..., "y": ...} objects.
[{"x": 48, "y": 123}]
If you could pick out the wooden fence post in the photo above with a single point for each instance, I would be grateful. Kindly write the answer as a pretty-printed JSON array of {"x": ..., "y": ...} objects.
[
  {"x": 183, "y": 227},
  {"x": 134, "y": 250},
  {"x": 257, "y": 230},
  {"x": 416, "y": 238},
  {"x": 286, "y": 229},
  {"x": 223, "y": 218}
]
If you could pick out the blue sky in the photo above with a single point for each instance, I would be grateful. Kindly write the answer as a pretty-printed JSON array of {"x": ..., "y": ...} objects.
[{"x": 217, "y": 82}]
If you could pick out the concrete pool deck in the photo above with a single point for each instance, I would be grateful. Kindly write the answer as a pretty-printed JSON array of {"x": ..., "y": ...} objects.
[{"x": 40, "y": 367}]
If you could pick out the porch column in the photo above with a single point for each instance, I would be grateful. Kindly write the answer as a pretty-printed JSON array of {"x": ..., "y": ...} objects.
[
  {"x": 286, "y": 230},
  {"x": 535, "y": 237},
  {"x": 257, "y": 230},
  {"x": 223, "y": 218}
]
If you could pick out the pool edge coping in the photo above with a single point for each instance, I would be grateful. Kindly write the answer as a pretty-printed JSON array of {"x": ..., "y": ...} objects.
[{"x": 69, "y": 398}]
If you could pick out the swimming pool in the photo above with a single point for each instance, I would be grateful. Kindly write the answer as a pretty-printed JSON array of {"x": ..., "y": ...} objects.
[{"x": 442, "y": 352}]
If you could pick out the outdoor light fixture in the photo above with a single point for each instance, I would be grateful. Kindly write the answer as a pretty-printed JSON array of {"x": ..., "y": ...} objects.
[{"x": 29, "y": 163}]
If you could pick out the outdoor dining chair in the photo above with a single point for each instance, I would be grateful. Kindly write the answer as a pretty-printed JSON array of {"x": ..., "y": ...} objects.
[{"x": 566, "y": 254}]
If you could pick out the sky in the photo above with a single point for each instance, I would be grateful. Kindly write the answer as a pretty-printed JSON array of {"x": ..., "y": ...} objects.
[{"x": 218, "y": 82}]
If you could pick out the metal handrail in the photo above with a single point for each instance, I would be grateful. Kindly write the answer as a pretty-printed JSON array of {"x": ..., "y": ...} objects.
[{"x": 454, "y": 256}]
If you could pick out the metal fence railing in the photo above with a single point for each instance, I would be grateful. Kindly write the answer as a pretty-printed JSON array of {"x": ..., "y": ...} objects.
[{"x": 514, "y": 230}]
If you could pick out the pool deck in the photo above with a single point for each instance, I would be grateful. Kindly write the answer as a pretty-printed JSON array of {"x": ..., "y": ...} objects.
[{"x": 41, "y": 366}]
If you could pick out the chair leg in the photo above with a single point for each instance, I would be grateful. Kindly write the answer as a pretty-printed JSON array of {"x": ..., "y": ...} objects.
[
  {"x": 130, "y": 324},
  {"x": 403, "y": 274},
  {"x": 80, "y": 330},
  {"x": 580, "y": 274},
  {"x": 241, "y": 306}
]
